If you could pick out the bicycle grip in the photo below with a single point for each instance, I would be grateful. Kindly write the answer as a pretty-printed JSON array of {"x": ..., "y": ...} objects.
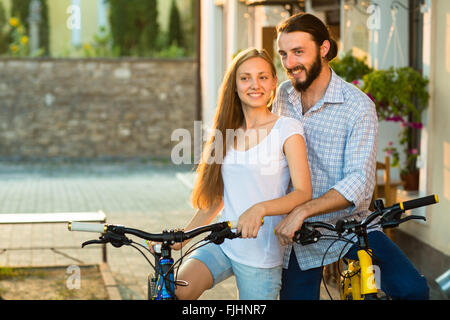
[
  {"x": 419, "y": 202},
  {"x": 87, "y": 227},
  {"x": 234, "y": 224}
]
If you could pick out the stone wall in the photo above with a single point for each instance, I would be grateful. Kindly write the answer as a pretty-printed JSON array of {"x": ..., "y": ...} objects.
[{"x": 94, "y": 108}]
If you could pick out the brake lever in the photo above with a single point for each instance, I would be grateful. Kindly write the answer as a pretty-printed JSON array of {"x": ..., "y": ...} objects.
[
  {"x": 395, "y": 222},
  {"x": 218, "y": 237},
  {"x": 412, "y": 217},
  {"x": 86, "y": 243},
  {"x": 117, "y": 240},
  {"x": 306, "y": 235}
]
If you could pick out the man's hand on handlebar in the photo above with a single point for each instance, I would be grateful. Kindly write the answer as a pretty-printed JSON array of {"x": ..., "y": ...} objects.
[{"x": 287, "y": 227}]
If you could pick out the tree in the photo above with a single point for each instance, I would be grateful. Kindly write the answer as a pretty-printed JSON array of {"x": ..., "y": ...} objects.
[
  {"x": 175, "y": 36},
  {"x": 4, "y": 36},
  {"x": 134, "y": 26}
]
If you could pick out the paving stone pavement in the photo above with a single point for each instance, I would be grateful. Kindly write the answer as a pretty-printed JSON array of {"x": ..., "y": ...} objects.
[{"x": 146, "y": 195}]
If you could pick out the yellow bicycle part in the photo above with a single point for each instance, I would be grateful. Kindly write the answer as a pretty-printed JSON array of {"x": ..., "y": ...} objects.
[
  {"x": 359, "y": 279},
  {"x": 351, "y": 282},
  {"x": 367, "y": 275}
]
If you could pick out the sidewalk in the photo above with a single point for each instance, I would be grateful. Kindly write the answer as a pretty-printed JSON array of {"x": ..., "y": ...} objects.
[
  {"x": 147, "y": 196},
  {"x": 150, "y": 196}
]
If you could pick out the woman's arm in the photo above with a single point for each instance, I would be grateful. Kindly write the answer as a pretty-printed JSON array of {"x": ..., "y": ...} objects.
[{"x": 295, "y": 150}]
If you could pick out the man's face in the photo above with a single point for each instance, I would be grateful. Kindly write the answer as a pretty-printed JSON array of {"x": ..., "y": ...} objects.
[{"x": 300, "y": 57}]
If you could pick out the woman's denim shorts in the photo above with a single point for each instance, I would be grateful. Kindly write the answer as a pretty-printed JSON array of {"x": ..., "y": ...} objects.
[{"x": 253, "y": 283}]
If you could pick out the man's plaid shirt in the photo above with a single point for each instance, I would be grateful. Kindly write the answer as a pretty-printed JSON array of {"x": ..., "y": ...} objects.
[{"x": 341, "y": 138}]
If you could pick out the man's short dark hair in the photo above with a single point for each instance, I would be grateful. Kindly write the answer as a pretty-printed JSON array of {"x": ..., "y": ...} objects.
[{"x": 309, "y": 23}]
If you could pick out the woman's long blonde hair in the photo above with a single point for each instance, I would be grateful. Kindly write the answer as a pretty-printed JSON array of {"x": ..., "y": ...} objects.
[{"x": 208, "y": 187}]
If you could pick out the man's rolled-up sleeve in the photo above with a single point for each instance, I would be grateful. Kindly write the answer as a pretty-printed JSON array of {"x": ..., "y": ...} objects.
[{"x": 360, "y": 160}]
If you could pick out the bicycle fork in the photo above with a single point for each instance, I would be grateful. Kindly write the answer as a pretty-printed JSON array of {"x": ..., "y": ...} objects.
[{"x": 359, "y": 279}]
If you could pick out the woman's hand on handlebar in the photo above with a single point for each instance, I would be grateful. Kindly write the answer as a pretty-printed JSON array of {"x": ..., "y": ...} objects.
[{"x": 250, "y": 221}]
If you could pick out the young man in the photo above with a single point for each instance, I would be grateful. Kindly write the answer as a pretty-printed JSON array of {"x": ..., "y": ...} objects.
[{"x": 341, "y": 125}]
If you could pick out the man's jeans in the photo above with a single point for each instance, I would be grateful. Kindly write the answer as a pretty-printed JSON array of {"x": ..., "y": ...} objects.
[{"x": 399, "y": 278}]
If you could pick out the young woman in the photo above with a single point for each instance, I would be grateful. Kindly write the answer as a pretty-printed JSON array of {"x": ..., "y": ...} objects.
[{"x": 246, "y": 170}]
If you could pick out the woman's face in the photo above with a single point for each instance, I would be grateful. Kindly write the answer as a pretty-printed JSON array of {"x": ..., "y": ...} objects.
[{"x": 255, "y": 82}]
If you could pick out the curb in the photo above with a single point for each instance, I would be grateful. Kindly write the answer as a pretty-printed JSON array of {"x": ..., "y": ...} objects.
[{"x": 110, "y": 283}]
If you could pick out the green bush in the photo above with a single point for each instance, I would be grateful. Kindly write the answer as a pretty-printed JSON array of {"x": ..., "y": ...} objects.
[
  {"x": 175, "y": 35},
  {"x": 134, "y": 26},
  {"x": 398, "y": 92},
  {"x": 400, "y": 95},
  {"x": 350, "y": 68}
]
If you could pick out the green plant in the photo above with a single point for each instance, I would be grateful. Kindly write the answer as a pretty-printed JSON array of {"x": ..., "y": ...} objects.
[
  {"x": 175, "y": 35},
  {"x": 350, "y": 68},
  {"x": 134, "y": 26},
  {"x": 101, "y": 46},
  {"x": 172, "y": 51},
  {"x": 21, "y": 10},
  {"x": 400, "y": 95},
  {"x": 19, "y": 46}
]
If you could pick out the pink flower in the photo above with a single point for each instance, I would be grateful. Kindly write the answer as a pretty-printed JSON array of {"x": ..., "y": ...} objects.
[
  {"x": 395, "y": 119},
  {"x": 414, "y": 151},
  {"x": 390, "y": 144},
  {"x": 417, "y": 125},
  {"x": 388, "y": 153},
  {"x": 371, "y": 97}
]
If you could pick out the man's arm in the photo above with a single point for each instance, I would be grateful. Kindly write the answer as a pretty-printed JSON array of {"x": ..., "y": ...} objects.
[
  {"x": 356, "y": 186},
  {"x": 329, "y": 202}
]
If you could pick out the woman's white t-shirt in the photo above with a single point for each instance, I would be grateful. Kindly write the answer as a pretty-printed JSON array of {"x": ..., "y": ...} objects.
[{"x": 259, "y": 174}]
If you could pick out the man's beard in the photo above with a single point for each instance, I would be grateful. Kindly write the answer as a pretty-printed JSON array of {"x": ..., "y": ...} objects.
[{"x": 310, "y": 74}]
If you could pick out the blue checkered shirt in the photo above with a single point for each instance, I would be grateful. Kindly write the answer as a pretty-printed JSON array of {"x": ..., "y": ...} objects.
[{"x": 341, "y": 137}]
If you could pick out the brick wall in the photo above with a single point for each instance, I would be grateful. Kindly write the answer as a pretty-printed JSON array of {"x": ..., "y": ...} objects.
[{"x": 94, "y": 108}]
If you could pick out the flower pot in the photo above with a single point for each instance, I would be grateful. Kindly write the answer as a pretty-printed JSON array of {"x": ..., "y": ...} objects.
[{"x": 410, "y": 180}]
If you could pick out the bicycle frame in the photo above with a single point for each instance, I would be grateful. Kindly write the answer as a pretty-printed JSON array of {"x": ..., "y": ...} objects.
[
  {"x": 359, "y": 279},
  {"x": 161, "y": 284}
]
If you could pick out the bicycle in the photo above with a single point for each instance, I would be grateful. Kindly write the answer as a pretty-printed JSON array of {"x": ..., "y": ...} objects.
[
  {"x": 161, "y": 284},
  {"x": 358, "y": 281}
]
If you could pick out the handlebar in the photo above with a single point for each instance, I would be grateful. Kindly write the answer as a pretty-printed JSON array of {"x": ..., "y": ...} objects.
[
  {"x": 390, "y": 217},
  {"x": 115, "y": 234},
  {"x": 419, "y": 202}
]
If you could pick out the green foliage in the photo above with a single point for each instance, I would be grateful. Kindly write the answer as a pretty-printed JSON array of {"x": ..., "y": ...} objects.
[
  {"x": 134, "y": 26},
  {"x": 397, "y": 92},
  {"x": 172, "y": 51},
  {"x": 350, "y": 68},
  {"x": 21, "y": 10},
  {"x": 175, "y": 35},
  {"x": 400, "y": 95},
  {"x": 101, "y": 46},
  {"x": 18, "y": 46}
]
